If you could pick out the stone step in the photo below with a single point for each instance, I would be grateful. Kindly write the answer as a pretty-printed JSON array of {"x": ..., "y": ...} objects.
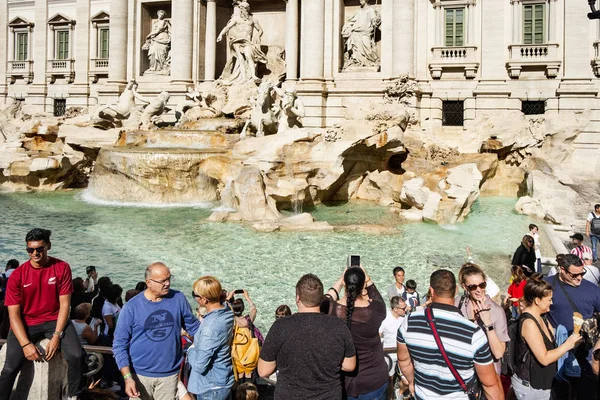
[{"x": 588, "y": 137}]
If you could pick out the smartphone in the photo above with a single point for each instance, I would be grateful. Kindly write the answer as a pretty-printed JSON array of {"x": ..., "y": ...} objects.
[
  {"x": 353, "y": 261},
  {"x": 238, "y": 291}
]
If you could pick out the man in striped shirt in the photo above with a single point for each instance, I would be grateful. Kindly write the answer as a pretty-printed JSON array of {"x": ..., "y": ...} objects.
[
  {"x": 420, "y": 359},
  {"x": 578, "y": 247}
]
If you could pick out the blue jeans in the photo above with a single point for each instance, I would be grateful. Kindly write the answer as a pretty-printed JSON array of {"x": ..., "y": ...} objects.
[
  {"x": 379, "y": 394},
  {"x": 595, "y": 240},
  {"x": 216, "y": 394}
]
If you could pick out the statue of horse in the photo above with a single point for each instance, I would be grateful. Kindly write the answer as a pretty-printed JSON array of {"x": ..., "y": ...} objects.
[{"x": 263, "y": 117}]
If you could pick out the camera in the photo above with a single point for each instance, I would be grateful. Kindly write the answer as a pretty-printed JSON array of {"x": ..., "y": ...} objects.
[
  {"x": 238, "y": 291},
  {"x": 353, "y": 261}
]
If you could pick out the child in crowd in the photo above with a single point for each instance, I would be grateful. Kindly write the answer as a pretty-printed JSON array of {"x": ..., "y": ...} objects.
[
  {"x": 515, "y": 290},
  {"x": 246, "y": 391},
  {"x": 411, "y": 296},
  {"x": 283, "y": 311}
]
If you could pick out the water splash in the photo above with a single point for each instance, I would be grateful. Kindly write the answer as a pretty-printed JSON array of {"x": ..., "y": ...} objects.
[{"x": 87, "y": 196}]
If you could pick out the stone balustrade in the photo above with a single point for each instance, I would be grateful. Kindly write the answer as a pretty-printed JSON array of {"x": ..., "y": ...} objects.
[
  {"x": 596, "y": 60},
  {"x": 20, "y": 69},
  {"x": 98, "y": 67},
  {"x": 455, "y": 57},
  {"x": 543, "y": 57},
  {"x": 60, "y": 68}
]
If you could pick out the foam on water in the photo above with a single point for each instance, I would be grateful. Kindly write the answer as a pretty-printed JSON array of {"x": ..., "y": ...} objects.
[{"x": 88, "y": 197}]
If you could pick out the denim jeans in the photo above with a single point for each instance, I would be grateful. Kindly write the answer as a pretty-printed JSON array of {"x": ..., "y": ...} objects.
[
  {"x": 379, "y": 394},
  {"x": 594, "y": 239},
  {"x": 215, "y": 394}
]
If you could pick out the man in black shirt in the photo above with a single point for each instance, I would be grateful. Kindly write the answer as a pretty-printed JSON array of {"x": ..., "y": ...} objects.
[{"x": 308, "y": 348}]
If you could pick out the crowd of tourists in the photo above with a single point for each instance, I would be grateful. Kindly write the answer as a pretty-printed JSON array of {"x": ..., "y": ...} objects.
[{"x": 463, "y": 339}]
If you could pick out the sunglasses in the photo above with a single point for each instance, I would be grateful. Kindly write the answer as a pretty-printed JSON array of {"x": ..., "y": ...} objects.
[
  {"x": 195, "y": 296},
  {"x": 482, "y": 285},
  {"x": 40, "y": 249},
  {"x": 573, "y": 276}
]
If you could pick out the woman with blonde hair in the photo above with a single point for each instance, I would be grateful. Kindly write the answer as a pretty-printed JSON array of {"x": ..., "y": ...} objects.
[
  {"x": 85, "y": 333},
  {"x": 211, "y": 375},
  {"x": 479, "y": 308},
  {"x": 532, "y": 378}
]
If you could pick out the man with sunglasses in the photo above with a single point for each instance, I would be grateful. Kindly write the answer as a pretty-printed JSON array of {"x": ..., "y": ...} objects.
[
  {"x": 571, "y": 293},
  {"x": 147, "y": 344},
  {"x": 38, "y": 298},
  {"x": 388, "y": 331}
]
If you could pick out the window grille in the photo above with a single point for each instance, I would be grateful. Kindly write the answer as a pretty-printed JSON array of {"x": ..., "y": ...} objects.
[
  {"x": 533, "y": 107},
  {"x": 60, "y": 107},
  {"x": 453, "y": 113}
]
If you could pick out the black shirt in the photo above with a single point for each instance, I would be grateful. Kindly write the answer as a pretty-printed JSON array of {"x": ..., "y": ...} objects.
[{"x": 309, "y": 349}]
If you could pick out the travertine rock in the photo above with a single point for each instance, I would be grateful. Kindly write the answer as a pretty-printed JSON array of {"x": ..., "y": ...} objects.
[
  {"x": 414, "y": 194},
  {"x": 381, "y": 187}
]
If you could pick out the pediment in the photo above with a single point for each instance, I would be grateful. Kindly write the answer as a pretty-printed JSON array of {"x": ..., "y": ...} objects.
[
  {"x": 60, "y": 19},
  {"x": 19, "y": 22},
  {"x": 102, "y": 16}
]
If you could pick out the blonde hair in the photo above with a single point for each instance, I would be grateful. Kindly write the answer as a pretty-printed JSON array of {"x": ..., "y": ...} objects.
[
  {"x": 468, "y": 269},
  {"x": 209, "y": 287},
  {"x": 82, "y": 310}
]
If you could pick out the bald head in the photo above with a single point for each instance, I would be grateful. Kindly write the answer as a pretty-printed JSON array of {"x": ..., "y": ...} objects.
[{"x": 154, "y": 269}]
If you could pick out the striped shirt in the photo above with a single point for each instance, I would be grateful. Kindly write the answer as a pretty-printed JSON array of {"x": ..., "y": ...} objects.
[
  {"x": 579, "y": 250},
  {"x": 464, "y": 342}
]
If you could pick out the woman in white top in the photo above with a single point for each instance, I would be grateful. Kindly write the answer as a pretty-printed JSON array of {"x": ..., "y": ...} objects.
[
  {"x": 111, "y": 309},
  {"x": 86, "y": 334}
]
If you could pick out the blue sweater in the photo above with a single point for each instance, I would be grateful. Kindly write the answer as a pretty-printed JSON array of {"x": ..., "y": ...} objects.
[
  {"x": 586, "y": 297},
  {"x": 148, "y": 334}
]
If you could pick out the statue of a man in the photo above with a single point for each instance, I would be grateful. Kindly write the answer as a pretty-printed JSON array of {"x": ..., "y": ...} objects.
[
  {"x": 158, "y": 44},
  {"x": 359, "y": 33},
  {"x": 291, "y": 109},
  {"x": 245, "y": 52},
  {"x": 154, "y": 110},
  {"x": 124, "y": 106}
]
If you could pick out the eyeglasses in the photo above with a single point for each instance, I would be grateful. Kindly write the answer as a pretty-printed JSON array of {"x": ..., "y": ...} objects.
[
  {"x": 195, "y": 296},
  {"x": 40, "y": 249},
  {"x": 482, "y": 285},
  {"x": 164, "y": 281},
  {"x": 400, "y": 308},
  {"x": 574, "y": 276}
]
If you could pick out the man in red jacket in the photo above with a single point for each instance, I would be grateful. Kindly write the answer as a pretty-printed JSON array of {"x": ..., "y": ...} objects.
[{"x": 38, "y": 298}]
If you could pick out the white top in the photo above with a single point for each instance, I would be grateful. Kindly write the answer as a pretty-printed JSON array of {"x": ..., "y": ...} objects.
[
  {"x": 394, "y": 291},
  {"x": 591, "y": 216},
  {"x": 389, "y": 330},
  {"x": 79, "y": 327},
  {"x": 109, "y": 309},
  {"x": 492, "y": 289},
  {"x": 536, "y": 244}
]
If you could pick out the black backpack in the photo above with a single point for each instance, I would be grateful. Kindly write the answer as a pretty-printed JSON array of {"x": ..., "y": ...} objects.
[
  {"x": 517, "y": 357},
  {"x": 595, "y": 225}
]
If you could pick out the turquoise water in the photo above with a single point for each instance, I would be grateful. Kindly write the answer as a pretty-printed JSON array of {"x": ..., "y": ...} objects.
[{"x": 122, "y": 241}]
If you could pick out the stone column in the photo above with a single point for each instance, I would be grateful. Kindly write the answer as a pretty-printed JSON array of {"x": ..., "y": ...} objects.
[
  {"x": 210, "y": 49},
  {"x": 117, "y": 62},
  {"x": 387, "y": 38},
  {"x": 182, "y": 21},
  {"x": 3, "y": 47},
  {"x": 438, "y": 24},
  {"x": 404, "y": 40},
  {"x": 82, "y": 42},
  {"x": 313, "y": 38},
  {"x": 291, "y": 39},
  {"x": 40, "y": 32}
]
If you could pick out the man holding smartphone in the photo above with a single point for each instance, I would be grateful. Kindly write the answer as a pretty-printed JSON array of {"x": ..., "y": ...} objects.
[{"x": 91, "y": 281}]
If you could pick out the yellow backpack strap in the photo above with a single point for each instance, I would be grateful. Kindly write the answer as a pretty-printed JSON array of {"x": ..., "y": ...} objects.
[{"x": 235, "y": 331}]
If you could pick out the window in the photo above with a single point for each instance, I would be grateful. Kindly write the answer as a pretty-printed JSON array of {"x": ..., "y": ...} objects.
[
  {"x": 60, "y": 107},
  {"x": 455, "y": 27},
  {"x": 62, "y": 45},
  {"x": 21, "y": 40},
  {"x": 533, "y": 24},
  {"x": 533, "y": 107},
  {"x": 453, "y": 113},
  {"x": 103, "y": 37}
]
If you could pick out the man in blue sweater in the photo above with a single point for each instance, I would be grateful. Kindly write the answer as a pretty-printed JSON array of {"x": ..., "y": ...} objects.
[{"x": 147, "y": 344}]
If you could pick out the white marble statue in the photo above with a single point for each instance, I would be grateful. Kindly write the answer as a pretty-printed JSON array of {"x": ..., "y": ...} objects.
[
  {"x": 158, "y": 45},
  {"x": 126, "y": 104},
  {"x": 263, "y": 117},
  {"x": 244, "y": 47},
  {"x": 291, "y": 109},
  {"x": 152, "y": 112},
  {"x": 359, "y": 34}
]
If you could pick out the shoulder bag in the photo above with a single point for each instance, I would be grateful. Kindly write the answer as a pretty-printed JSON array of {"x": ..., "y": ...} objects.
[{"x": 474, "y": 390}]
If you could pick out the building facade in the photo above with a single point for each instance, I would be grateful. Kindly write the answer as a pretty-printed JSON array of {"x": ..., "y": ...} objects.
[{"x": 468, "y": 56}]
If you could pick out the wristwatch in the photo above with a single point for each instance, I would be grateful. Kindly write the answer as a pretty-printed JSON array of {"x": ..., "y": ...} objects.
[
  {"x": 59, "y": 334},
  {"x": 489, "y": 328}
]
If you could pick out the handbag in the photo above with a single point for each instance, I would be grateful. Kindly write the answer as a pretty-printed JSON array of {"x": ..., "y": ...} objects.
[{"x": 474, "y": 390}]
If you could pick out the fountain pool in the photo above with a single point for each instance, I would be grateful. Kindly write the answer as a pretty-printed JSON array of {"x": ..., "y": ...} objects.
[{"x": 121, "y": 241}]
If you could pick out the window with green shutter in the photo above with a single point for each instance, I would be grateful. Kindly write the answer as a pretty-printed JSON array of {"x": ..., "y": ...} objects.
[
  {"x": 455, "y": 27},
  {"x": 62, "y": 45},
  {"x": 534, "y": 23},
  {"x": 103, "y": 37},
  {"x": 21, "y": 46}
]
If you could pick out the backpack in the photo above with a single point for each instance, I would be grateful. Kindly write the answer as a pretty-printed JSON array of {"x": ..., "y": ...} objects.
[
  {"x": 517, "y": 357},
  {"x": 245, "y": 351},
  {"x": 595, "y": 225}
]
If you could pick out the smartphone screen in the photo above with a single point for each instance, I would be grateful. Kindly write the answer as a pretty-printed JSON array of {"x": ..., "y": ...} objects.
[
  {"x": 239, "y": 291},
  {"x": 354, "y": 261}
]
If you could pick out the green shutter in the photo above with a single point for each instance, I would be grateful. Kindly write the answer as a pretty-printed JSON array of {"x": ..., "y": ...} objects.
[
  {"x": 455, "y": 27},
  {"x": 63, "y": 45},
  {"x": 104, "y": 40},
  {"x": 534, "y": 24},
  {"x": 21, "y": 46}
]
